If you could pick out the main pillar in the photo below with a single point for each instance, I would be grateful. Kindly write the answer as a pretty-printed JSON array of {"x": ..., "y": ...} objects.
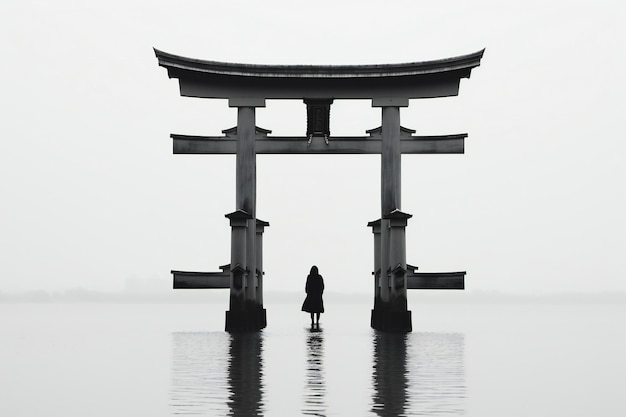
[
  {"x": 246, "y": 311},
  {"x": 390, "y": 307}
]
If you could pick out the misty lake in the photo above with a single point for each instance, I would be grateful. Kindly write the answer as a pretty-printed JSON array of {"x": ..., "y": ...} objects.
[{"x": 170, "y": 359}]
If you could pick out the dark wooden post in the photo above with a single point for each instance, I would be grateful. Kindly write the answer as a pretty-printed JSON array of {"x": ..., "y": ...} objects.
[
  {"x": 246, "y": 191},
  {"x": 250, "y": 316},
  {"x": 375, "y": 225},
  {"x": 390, "y": 313},
  {"x": 260, "y": 228},
  {"x": 400, "y": 316},
  {"x": 236, "y": 319}
]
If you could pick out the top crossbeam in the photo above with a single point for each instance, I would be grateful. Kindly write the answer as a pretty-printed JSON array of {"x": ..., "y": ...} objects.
[{"x": 212, "y": 79}]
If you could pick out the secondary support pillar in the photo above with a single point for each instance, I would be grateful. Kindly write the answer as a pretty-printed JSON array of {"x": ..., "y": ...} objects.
[
  {"x": 260, "y": 228},
  {"x": 236, "y": 318},
  {"x": 390, "y": 309},
  {"x": 375, "y": 225},
  {"x": 400, "y": 316}
]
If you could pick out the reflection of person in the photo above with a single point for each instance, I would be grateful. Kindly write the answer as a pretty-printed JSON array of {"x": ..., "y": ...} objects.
[{"x": 313, "y": 302}]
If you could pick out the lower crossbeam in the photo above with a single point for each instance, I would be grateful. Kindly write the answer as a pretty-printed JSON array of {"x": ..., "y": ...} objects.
[
  {"x": 435, "y": 280},
  {"x": 199, "y": 280}
]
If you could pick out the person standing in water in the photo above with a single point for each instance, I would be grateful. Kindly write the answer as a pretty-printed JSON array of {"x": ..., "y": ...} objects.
[{"x": 313, "y": 303}]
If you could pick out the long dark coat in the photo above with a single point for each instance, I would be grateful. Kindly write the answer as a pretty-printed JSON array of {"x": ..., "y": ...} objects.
[{"x": 313, "y": 302}]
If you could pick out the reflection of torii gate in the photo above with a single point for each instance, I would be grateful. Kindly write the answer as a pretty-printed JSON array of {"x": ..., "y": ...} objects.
[{"x": 389, "y": 87}]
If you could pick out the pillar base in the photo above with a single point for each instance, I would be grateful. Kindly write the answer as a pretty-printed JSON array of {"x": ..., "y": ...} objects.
[
  {"x": 246, "y": 321},
  {"x": 391, "y": 321}
]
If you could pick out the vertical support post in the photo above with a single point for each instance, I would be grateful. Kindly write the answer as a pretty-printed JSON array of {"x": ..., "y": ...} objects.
[
  {"x": 384, "y": 261},
  {"x": 391, "y": 169},
  {"x": 375, "y": 225},
  {"x": 235, "y": 316},
  {"x": 398, "y": 281},
  {"x": 246, "y": 190},
  {"x": 260, "y": 228},
  {"x": 249, "y": 314},
  {"x": 391, "y": 312},
  {"x": 390, "y": 183}
]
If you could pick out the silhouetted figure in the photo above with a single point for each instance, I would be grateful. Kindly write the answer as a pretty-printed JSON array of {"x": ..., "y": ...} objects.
[{"x": 313, "y": 302}]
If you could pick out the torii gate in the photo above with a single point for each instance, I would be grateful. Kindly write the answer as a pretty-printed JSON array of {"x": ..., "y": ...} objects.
[{"x": 390, "y": 87}]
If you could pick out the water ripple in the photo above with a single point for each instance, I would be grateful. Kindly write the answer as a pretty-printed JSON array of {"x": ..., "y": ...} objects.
[
  {"x": 217, "y": 374},
  {"x": 418, "y": 374},
  {"x": 315, "y": 384}
]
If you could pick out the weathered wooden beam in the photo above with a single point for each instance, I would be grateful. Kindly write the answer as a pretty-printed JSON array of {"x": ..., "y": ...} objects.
[
  {"x": 198, "y": 280},
  {"x": 436, "y": 280},
  {"x": 444, "y": 144},
  {"x": 211, "y": 79}
]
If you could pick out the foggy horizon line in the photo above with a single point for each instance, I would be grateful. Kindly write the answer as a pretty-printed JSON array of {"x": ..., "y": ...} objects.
[{"x": 81, "y": 295}]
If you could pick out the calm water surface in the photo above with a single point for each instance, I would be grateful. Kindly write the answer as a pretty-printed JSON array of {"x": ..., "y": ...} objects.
[{"x": 164, "y": 360}]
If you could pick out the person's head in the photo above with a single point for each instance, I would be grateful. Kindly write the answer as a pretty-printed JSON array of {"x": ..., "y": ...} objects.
[{"x": 314, "y": 270}]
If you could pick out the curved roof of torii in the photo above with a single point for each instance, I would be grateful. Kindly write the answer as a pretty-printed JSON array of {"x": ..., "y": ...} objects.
[{"x": 212, "y": 79}]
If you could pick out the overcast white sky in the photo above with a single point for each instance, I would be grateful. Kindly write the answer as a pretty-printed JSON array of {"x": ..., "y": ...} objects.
[{"x": 92, "y": 196}]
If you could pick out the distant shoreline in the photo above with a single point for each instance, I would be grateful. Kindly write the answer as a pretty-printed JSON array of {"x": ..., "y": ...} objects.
[{"x": 221, "y": 296}]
